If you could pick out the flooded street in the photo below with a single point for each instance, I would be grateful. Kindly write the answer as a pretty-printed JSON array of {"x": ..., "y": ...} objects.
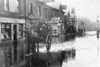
[
  {"x": 49, "y": 33},
  {"x": 87, "y": 52}
]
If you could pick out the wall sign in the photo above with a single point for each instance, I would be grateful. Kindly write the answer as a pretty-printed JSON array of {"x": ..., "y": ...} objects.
[{"x": 11, "y": 20}]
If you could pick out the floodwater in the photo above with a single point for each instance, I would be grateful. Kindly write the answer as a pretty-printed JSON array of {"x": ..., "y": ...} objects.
[{"x": 87, "y": 51}]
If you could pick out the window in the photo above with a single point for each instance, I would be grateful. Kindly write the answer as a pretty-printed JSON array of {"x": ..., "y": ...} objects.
[
  {"x": 53, "y": 13},
  {"x": 56, "y": 13},
  {"x": 45, "y": 13},
  {"x": 18, "y": 6},
  {"x": 30, "y": 8},
  {"x": 39, "y": 11},
  {"x": 11, "y": 5},
  {"x": 5, "y": 31},
  {"x": 20, "y": 31},
  {"x": 6, "y": 5}
]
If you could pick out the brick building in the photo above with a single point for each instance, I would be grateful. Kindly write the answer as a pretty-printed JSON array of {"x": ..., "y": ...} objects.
[{"x": 14, "y": 15}]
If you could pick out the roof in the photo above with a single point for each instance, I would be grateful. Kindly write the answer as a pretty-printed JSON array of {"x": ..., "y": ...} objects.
[
  {"x": 40, "y": 2},
  {"x": 56, "y": 5},
  {"x": 53, "y": 5}
]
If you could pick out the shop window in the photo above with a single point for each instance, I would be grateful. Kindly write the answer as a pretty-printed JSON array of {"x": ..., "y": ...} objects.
[
  {"x": 20, "y": 31},
  {"x": 5, "y": 31}
]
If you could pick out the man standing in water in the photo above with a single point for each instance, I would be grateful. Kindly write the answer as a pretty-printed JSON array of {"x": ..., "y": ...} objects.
[
  {"x": 97, "y": 33},
  {"x": 48, "y": 40}
]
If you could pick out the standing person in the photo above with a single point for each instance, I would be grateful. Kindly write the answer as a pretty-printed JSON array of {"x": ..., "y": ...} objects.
[
  {"x": 97, "y": 33},
  {"x": 62, "y": 57},
  {"x": 48, "y": 40}
]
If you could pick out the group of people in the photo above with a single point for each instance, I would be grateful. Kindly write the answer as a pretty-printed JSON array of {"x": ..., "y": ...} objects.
[{"x": 40, "y": 34}]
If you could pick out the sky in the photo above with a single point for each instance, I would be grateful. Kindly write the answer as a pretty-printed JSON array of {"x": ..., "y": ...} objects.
[{"x": 83, "y": 8}]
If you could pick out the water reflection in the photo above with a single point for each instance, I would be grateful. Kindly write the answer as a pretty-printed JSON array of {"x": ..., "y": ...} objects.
[
  {"x": 70, "y": 37},
  {"x": 51, "y": 59}
]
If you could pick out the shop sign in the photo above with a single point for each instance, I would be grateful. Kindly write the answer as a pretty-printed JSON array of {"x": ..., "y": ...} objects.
[
  {"x": 21, "y": 20},
  {"x": 55, "y": 20},
  {"x": 11, "y": 20},
  {"x": 3, "y": 19},
  {"x": 54, "y": 30}
]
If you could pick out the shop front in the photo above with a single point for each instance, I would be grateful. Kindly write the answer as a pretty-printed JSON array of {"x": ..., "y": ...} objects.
[
  {"x": 11, "y": 29},
  {"x": 7, "y": 26}
]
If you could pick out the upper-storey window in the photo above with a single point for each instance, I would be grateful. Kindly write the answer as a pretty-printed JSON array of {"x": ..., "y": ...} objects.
[
  {"x": 11, "y": 5},
  {"x": 30, "y": 8},
  {"x": 39, "y": 10},
  {"x": 45, "y": 13},
  {"x": 49, "y": 14},
  {"x": 6, "y": 5}
]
